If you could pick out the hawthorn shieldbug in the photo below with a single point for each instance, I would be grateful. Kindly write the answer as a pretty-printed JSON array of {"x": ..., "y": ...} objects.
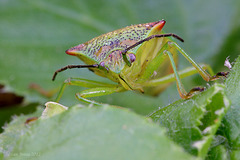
[{"x": 139, "y": 57}]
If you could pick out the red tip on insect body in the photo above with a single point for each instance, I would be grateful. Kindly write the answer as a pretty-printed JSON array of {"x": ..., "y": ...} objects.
[
  {"x": 160, "y": 24},
  {"x": 70, "y": 52},
  {"x": 75, "y": 50},
  {"x": 156, "y": 25}
]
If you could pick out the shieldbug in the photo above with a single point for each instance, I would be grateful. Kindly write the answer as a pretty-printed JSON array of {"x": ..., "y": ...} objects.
[{"x": 136, "y": 57}]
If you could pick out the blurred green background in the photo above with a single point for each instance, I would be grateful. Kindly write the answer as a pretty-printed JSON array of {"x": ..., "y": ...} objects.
[{"x": 35, "y": 34}]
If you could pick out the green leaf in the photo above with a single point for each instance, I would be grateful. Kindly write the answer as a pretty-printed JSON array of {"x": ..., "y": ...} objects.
[
  {"x": 231, "y": 123},
  {"x": 7, "y": 112},
  {"x": 96, "y": 133},
  {"x": 14, "y": 131},
  {"x": 217, "y": 153},
  {"x": 193, "y": 123},
  {"x": 233, "y": 116}
]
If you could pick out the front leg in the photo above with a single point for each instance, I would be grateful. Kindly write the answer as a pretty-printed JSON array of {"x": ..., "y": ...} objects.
[{"x": 99, "y": 88}]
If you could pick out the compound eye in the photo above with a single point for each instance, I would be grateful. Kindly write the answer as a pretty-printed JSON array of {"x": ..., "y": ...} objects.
[{"x": 132, "y": 57}]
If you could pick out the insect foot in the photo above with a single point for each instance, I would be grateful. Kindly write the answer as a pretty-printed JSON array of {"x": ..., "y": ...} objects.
[
  {"x": 219, "y": 75},
  {"x": 193, "y": 91}
]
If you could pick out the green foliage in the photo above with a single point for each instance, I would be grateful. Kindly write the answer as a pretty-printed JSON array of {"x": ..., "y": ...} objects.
[
  {"x": 193, "y": 123},
  {"x": 33, "y": 38},
  {"x": 102, "y": 132},
  {"x": 230, "y": 128},
  {"x": 13, "y": 131}
]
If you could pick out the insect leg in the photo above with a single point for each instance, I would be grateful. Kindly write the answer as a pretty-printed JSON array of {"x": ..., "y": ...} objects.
[
  {"x": 170, "y": 77},
  {"x": 95, "y": 92},
  {"x": 206, "y": 76},
  {"x": 82, "y": 83},
  {"x": 183, "y": 94},
  {"x": 181, "y": 90}
]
